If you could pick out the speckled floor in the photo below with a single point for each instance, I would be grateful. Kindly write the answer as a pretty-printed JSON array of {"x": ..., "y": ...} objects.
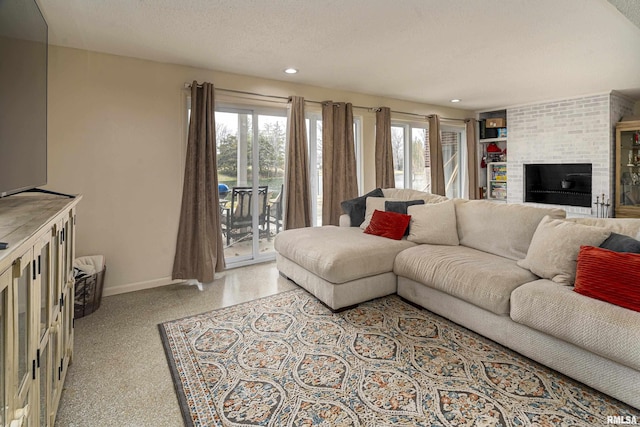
[{"x": 119, "y": 375}]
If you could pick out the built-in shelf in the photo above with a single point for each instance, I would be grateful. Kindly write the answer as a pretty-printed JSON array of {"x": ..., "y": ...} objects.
[
  {"x": 497, "y": 181},
  {"x": 492, "y": 145},
  {"x": 490, "y": 140}
]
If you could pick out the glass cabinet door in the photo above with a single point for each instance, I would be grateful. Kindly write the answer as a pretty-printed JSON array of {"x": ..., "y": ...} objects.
[
  {"x": 627, "y": 188},
  {"x": 26, "y": 298},
  {"x": 44, "y": 378},
  {"x": 44, "y": 263},
  {"x": 65, "y": 248},
  {"x": 65, "y": 325},
  {"x": 5, "y": 321},
  {"x": 55, "y": 361},
  {"x": 44, "y": 260},
  {"x": 56, "y": 279},
  {"x": 23, "y": 279},
  {"x": 630, "y": 168},
  {"x": 68, "y": 322}
]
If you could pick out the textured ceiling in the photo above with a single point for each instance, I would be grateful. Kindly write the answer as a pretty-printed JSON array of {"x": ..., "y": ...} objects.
[{"x": 489, "y": 53}]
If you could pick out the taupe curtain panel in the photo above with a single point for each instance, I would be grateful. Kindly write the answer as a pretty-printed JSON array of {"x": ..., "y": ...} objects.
[
  {"x": 384, "y": 152},
  {"x": 339, "y": 176},
  {"x": 472, "y": 159},
  {"x": 199, "y": 251},
  {"x": 297, "y": 199},
  {"x": 435, "y": 153}
]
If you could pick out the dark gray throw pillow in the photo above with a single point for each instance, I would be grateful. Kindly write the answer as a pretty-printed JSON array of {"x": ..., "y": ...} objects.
[
  {"x": 357, "y": 207},
  {"x": 401, "y": 207},
  {"x": 621, "y": 243}
]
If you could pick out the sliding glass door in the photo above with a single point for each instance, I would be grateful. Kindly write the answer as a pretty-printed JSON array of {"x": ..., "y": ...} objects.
[
  {"x": 251, "y": 150},
  {"x": 250, "y": 143}
]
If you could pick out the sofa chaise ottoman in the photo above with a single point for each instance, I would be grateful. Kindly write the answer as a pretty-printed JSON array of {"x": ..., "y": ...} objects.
[{"x": 342, "y": 266}]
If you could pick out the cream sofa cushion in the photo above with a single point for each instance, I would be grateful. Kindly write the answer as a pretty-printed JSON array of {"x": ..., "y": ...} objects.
[
  {"x": 480, "y": 278},
  {"x": 433, "y": 223},
  {"x": 406, "y": 194},
  {"x": 341, "y": 295},
  {"x": 627, "y": 226},
  {"x": 597, "y": 326},
  {"x": 554, "y": 249},
  {"x": 499, "y": 228},
  {"x": 339, "y": 254}
]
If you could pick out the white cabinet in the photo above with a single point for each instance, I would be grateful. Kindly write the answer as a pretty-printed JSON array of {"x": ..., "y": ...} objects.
[{"x": 36, "y": 306}]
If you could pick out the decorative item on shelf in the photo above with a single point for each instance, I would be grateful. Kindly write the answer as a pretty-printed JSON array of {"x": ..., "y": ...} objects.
[
  {"x": 496, "y": 122},
  {"x": 602, "y": 207},
  {"x": 636, "y": 138},
  {"x": 503, "y": 155},
  {"x": 502, "y": 132},
  {"x": 493, "y": 152},
  {"x": 630, "y": 178},
  {"x": 493, "y": 148}
]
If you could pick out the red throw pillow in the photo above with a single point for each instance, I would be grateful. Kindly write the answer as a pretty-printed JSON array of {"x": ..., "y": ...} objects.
[
  {"x": 388, "y": 224},
  {"x": 609, "y": 276}
]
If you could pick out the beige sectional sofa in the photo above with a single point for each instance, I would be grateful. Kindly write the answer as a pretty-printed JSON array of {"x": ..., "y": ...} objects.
[{"x": 485, "y": 283}]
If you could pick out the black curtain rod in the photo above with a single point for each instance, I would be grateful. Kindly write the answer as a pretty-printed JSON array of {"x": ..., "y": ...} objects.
[
  {"x": 287, "y": 98},
  {"x": 242, "y": 92},
  {"x": 425, "y": 115}
]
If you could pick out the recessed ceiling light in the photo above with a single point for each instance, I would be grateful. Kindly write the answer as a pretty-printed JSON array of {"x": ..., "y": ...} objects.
[
  {"x": 455, "y": 100},
  {"x": 290, "y": 70}
]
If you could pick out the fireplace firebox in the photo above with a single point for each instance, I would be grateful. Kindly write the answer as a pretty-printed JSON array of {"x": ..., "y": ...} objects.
[{"x": 558, "y": 184}]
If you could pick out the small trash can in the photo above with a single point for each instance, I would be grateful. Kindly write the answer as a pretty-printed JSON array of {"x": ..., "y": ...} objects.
[{"x": 88, "y": 272}]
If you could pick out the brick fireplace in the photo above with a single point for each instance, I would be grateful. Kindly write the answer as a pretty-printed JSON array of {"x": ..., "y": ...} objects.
[{"x": 577, "y": 131}]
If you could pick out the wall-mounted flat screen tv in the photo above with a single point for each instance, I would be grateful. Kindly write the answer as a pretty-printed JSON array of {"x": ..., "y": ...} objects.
[{"x": 23, "y": 96}]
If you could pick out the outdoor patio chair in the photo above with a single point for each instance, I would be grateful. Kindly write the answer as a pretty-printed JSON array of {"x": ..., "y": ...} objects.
[
  {"x": 238, "y": 216},
  {"x": 275, "y": 210}
]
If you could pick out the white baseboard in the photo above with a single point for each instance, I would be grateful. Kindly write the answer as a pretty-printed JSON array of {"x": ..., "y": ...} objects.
[{"x": 138, "y": 286}]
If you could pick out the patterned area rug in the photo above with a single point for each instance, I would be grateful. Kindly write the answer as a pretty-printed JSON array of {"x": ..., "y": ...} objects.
[{"x": 286, "y": 360}]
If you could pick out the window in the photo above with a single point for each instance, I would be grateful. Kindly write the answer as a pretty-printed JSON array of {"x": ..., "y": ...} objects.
[
  {"x": 411, "y": 161},
  {"x": 451, "y": 153},
  {"x": 399, "y": 135},
  {"x": 420, "y": 160}
]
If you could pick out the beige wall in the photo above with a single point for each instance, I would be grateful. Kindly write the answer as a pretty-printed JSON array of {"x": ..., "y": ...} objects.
[{"x": 117, "y": 135}]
